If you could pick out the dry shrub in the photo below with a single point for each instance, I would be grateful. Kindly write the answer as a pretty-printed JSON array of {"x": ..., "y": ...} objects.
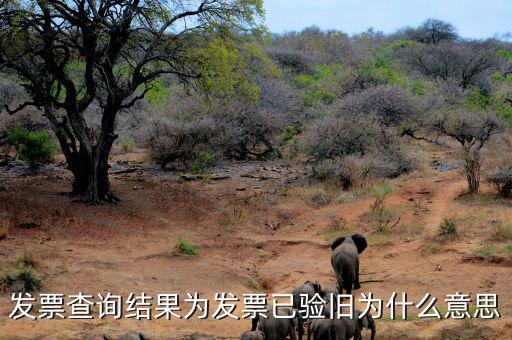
[
  {"x": 392, "y": 105},
  {"x": 29, "y": 119},
  {"x": 502, "y": 182},
  {"x": 351, "y": 152},
  {"x": 247, "y": 133},
  {"x": 170, "y": 141}
]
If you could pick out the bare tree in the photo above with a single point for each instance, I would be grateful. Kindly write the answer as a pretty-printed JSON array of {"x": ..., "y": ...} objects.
[
  {"x": 465, "y": 62},
  {"x": 472, "y": 130},
  {"x": 71, "y": 54}
]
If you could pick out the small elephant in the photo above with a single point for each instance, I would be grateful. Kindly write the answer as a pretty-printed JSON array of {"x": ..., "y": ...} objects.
[
  {"x": 319, "y": 329},
  {"x": 276, "y": 328},
  {"x": 309, "y": 288},
  {"x": 252, "y": 335},
  {"x": 342, "y": 329},
  {"x": 345, "y": 261},
  {"x": 330, "y": 295},
  {"x": 346, "y": 328}
]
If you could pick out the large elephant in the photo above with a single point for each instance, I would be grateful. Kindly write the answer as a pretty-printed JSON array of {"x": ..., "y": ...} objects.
[
  {"x": 276, "y": 328},
  {"x": 252, "y": 335},
  {"x": 309, "y": 289},
  {"x": 345, "y": 261},
  {"x": 342, "y": 328}
]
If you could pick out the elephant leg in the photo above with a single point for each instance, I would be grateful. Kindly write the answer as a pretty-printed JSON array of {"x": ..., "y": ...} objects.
[
  {"x": 300, "y": 328},
  {"x": 357, "y": 285},
  {"x": 291, "y": 331},
  {"x": 357, "y": 335},
  {"x": 339, "y": 280}
]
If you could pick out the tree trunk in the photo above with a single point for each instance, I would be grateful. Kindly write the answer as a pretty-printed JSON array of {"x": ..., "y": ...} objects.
[
  {"x": 98, "y": 183},
  {"x": 473, "y": 172}
]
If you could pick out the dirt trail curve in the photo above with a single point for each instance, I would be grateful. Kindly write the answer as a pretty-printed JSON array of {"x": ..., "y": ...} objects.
[{"x": 445, "y": 192}]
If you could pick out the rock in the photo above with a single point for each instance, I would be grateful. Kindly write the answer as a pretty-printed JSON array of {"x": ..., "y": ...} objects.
[
  {"x": 97, "y": 337},
  {"x": 29, "y": 225},
  {"x": 133, "y": 336},
  {"x": 218, "y": 177},
  {"x": 197, "y": 336}
]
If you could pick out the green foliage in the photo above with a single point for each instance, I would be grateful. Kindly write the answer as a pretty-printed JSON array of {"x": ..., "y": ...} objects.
[
  {"x": 383, "y": 216},
  {"x": 254, "y": 284},
  {"x": 506, "y": 54},
  {"x": 184, "y": 247},
  {"x": 478, "y": 100},
  {"x": 34, "y": 147},
  {"x": 127, "y": 145},
  {"x": 487, "y": 253},
  {"x": 227, "y": 68},
  {"x": 206, "y": 159},
  {"x": 418, "y": 88},
  {"x": 288, "y": 133},
  {"x": 157, "y": 95},
  {"x": 380, "y": 192},
  {"x": 448, "y": 227},
  {"x": 25, "y": 279},
  {"x": 319, "y": 96},
  {"x": 321, "y": 73},
  {"x": 391, "y": 77}
]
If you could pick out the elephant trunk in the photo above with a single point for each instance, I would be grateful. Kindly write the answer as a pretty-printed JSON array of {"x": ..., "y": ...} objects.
[{"x": 374, "y": 332}]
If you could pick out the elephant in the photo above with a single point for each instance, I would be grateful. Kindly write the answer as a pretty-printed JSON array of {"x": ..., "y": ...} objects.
[
  {"x": 330, "y": 294},
  {"x": 345, "y": 261},
  {"x": 276, "y": 328},
  {"x": 252, "y": 335},
  {"x": 319, "y": 329},
  {"x": 342, "y": 328},
  {"x": 346, "y": 328},
  {"x": 309, "y": 288}
]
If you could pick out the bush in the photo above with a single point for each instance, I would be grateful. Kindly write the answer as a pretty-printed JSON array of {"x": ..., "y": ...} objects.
[
  {"x": 448, "y": 227},
  {"x": 247, "y": 133},
  {"x": 127, "y": 145},
  {"x": 23, "y": 280},
  {"x": 333, "y": 138},
  {"x": 501, "y": 232},
  {"x": 170, "y": 141},
  {"x": 34, "y": 147},
  {"x": 392, "y": 105},
  {"x": 350, "y": 151},
  {"x": 502, "y": 182},
  {"x": 186, "y": 248}
]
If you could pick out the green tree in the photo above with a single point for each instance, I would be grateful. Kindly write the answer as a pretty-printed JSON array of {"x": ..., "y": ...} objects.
[{"x": 72, "y": 54}]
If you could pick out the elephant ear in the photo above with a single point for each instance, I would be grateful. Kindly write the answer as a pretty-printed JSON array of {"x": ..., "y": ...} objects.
[
  {"x": 316, "y": 287},
  {"x": 365, "y": 322},
  {"x": 360, "y": 242},
  {"x": 337, "y": 242}
]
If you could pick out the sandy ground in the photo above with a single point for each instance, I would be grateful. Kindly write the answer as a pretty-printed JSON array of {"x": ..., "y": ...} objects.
[{"x": 255, "y": 228}]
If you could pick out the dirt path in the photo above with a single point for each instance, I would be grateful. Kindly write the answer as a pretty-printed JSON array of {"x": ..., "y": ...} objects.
[{"x": 250, "y": 236}]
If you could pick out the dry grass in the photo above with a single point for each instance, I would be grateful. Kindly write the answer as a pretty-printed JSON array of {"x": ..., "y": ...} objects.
[{"x": 501, "y": 232}]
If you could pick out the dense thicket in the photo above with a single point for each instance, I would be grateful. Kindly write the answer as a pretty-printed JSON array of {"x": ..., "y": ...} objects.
[{"x": 348, "y": 105}]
